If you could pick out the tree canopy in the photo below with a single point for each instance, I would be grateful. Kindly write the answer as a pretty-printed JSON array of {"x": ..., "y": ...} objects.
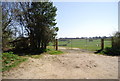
[{"x": 30, "y": 25}]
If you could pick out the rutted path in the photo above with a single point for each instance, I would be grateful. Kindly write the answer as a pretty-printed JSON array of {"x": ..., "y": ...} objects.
[{"x": 75, "y": 64}]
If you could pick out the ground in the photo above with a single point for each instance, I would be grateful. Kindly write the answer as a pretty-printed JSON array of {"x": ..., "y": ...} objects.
[{"x": 74, "y": 64}]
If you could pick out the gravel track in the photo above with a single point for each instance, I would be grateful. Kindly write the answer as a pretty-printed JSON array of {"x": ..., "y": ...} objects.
[{"x": 74, "y": 64}]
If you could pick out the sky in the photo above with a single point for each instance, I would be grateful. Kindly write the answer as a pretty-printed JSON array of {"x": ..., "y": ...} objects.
[{"x": 86, "y": 19}]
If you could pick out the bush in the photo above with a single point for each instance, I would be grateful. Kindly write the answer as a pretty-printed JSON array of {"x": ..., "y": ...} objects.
[
  {"x": 115, "y": 50},
  {"x": 116, "y": 43},
  {"x": 111, "y": 51}
]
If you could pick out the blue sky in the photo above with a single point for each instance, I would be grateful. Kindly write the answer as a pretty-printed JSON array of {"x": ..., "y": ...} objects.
[{"x": 86, "y": 19}]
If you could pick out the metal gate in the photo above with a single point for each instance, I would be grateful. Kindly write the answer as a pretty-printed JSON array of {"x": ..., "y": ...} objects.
[{"x": 87, "y": 44}]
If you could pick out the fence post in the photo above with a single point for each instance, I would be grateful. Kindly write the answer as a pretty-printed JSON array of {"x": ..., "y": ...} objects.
[
  {"x": 102, "y": 44},
  {"x": 112, "y": 41},
  {"x": 56, "y": 44}
]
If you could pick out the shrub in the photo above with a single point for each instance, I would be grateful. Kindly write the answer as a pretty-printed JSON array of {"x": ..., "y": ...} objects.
[
  {"x": 115, "y": 50},
  {"x": 111, "y": 51}
]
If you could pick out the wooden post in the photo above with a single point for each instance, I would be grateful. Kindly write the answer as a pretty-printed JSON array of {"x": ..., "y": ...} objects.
[
  {"x": 112, "y": 42},
  {"x": 102, "y": 44},
  {"x": 56, "y": 44}
]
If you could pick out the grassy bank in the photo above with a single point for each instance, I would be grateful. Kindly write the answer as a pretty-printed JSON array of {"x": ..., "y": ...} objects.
[{"x": 10, "y": 60}]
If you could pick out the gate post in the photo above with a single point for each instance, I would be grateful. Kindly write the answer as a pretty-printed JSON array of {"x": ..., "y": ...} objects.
[
  {"x": 71, "y": 43},
  {"x": 102, "y": 43},
  {"x": 56, "y": 44}
]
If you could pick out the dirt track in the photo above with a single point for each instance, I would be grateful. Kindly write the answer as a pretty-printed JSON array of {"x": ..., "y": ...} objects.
[{"x": 74, "y": 64}]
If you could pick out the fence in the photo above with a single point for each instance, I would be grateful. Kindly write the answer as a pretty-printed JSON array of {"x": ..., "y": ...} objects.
[{"x": 88, "y": 44}]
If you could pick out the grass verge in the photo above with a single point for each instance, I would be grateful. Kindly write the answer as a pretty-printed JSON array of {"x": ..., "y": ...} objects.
[
  {"x": 54, "y": 52},
  {"x": 10, "y": 60}
]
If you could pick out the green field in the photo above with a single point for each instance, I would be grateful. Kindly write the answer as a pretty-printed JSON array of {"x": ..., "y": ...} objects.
[{"x": 84, "y": 44}]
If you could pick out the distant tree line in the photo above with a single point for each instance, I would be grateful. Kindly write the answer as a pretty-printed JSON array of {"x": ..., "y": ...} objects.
[{"x": 28, "y": 25}]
